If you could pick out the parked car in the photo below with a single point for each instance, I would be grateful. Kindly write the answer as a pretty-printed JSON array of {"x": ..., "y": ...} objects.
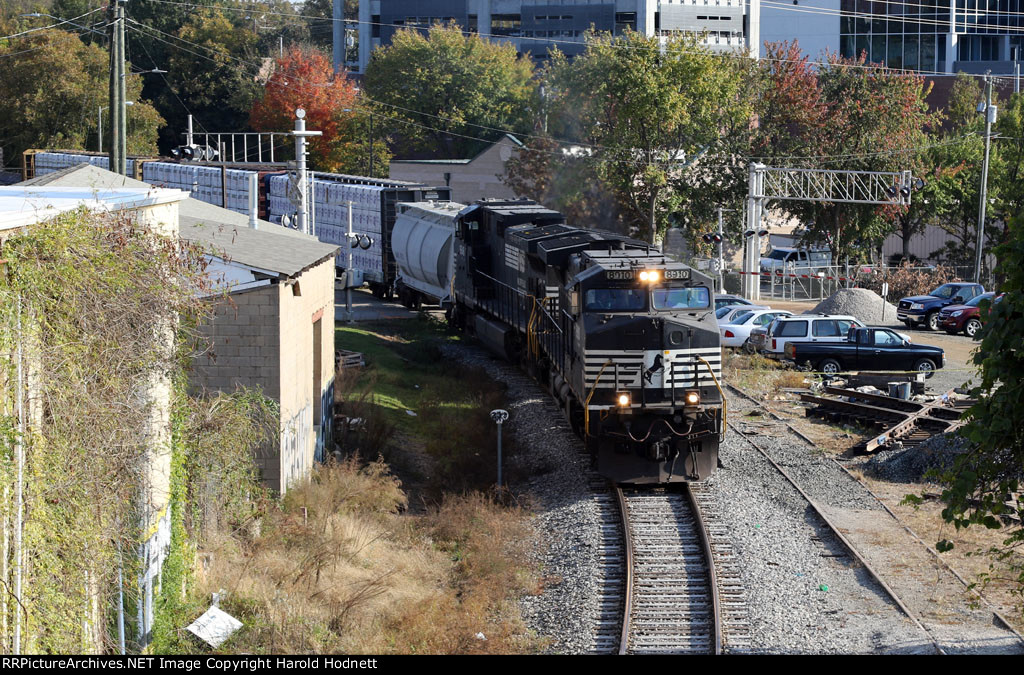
[
  {"x": 807, "y": 328},
  {"x": 966, "y": 318},
  {"x": 923, "y": 310},
  {"x": 736, "y": 333},
  {"x": 730, "y": 300},
  {"x": 730, "y": 312},
  {"x": 867, "y": 349},
  {"x": 782, "y": 259}
]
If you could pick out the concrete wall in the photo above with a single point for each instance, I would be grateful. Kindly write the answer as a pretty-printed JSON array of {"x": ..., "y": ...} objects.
[
  {"x": 305, "y": 420},
  {"x": 244, "y": 351}
]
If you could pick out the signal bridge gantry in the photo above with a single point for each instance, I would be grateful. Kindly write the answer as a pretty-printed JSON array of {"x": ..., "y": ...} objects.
[{"x": 837, "y": 186}]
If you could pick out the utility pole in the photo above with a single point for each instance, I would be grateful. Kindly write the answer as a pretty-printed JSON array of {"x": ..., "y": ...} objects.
[
  {"x": 118, "y": 111},
  {"x": 990, "y": 117},
  {"x": 338, "y": 33}
]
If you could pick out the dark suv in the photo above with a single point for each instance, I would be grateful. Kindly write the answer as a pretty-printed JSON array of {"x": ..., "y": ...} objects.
[
  {"x": 966, "y": 318},
  {"x": 923, "y": 310}
]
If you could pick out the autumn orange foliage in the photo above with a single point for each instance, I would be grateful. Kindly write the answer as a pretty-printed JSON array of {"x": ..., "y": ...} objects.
[{"x": 304, "y": 78}]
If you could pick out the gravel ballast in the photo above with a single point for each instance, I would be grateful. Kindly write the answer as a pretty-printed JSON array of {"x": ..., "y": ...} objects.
[
  {"x": 805, "y": 592},
  {"x": 910, "y": 465},
  {"x": 866, "y": 305}
]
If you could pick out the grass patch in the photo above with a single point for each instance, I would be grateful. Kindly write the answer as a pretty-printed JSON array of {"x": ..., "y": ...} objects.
[
  {"x": 760, "y": 377},
  {"x": 407, "y": 373}
]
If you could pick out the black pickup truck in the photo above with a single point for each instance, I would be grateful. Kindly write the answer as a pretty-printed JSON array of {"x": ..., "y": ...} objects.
[{"x": 866, "y": 349}]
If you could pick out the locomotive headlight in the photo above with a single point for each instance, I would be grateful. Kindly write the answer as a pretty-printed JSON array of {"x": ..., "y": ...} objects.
[
  {"x": 623, "y": 400},
  {"x": 692, "y": 398},
  {"x": 649, "y": 276}
]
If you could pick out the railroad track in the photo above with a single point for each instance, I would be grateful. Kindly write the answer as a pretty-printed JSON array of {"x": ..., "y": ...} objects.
[
  {"x": 750, "y": 438},
  {"x": 669, "y": 581},
  {"x": 684, "y": 590},
  {"x": 673, "y": 606}
]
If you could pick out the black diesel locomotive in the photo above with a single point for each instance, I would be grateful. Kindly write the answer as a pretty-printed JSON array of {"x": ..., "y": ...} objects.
[{"x": 624, "y": 337}]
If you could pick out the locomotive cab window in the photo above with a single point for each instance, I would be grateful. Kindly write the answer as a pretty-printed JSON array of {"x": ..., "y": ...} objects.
[
  {"x": 682, "y": 298},
  {"x": 614, "y": 300}
]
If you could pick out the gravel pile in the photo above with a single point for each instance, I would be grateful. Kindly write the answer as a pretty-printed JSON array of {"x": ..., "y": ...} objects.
[
  {"x": 566, "y": 523},
  {"x": 859, "y": 302},
  {"x": 909, "y": 465}
]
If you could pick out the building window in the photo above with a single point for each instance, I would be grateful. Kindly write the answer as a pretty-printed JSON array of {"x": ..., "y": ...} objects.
[
  {"x": 471, "y": 24},
  {"x": 625, "y": 21},
  {"x": 978, "y": 48},
  {"x": 375, "y": 27},
  {"x": 506, "y": 24}
]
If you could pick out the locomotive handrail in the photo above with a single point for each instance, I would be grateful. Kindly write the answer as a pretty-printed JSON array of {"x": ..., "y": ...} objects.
[
  {"x": 725, "y": 404},
  {"x": 586, "y": 404},
  {"x": 502, "y": 283}
]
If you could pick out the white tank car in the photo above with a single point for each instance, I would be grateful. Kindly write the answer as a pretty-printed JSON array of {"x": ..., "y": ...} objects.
[{"x": 422, "y": 244}]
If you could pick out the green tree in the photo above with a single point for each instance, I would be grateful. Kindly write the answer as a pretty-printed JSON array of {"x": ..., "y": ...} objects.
[
  {"x": 850, "y": 115},
  {"x": 957, "y": 156},
  {"x": 52, "y": 95},
  {"x": 213, "y": 72},
  {"x": 648, "y": 111},
  {"x": 984, "y": 484},
  {"x": 319, "y": 16},
  {"x": 1009, "y": 178},
  {"x": 563, "y": 178},
  {"x": 448, "y": 93}
]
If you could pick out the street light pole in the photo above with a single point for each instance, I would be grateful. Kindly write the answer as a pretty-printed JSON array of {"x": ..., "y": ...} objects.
[
  {"x": 499, "y": 416},
  {"x": 990, "y": 117}
]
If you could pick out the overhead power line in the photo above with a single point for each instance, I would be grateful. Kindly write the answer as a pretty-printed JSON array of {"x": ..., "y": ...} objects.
[
  {"x": 567, "y": 145},
  {"x": 557, "y": 41},
  {"x": 52, "y": 25}
]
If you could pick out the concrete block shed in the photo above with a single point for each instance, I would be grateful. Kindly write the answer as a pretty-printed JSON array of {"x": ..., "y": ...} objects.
[{"x": 274, "y": 330}]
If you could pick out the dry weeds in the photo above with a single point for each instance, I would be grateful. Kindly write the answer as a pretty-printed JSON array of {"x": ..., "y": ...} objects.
[{"x": 338, "y": 569}]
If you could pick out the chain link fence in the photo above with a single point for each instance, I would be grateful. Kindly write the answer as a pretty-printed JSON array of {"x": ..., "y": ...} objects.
[{"x": 794, "y": 283}]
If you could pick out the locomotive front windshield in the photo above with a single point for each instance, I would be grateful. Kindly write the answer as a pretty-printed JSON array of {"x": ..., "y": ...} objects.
[
  {"x": 681, "y": 298},
  {"x": 615, "y": 300}
]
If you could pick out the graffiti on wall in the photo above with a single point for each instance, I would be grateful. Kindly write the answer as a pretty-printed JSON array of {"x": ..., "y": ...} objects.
[
  {"x": 325, "y": 425},
  {"x": 295, "y": 444}
]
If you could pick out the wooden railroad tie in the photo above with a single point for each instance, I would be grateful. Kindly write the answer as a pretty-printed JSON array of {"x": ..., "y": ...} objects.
[{"x": 899, "y": 420}]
